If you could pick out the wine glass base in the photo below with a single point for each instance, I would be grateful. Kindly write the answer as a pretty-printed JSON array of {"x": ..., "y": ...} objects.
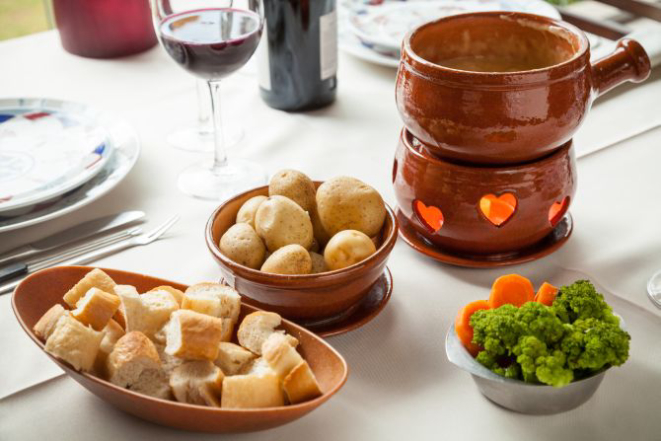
[
  {"x": 202, "y": 181},
  {"x": 654, "y": 289},
  {"x": 200, "y": 140}
]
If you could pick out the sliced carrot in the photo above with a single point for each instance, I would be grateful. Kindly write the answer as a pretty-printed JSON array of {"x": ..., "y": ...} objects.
[
  {"x": 513, "y": 289},
  {"x": 463, "y": 328},
  {"x": 546, "y": 294}
]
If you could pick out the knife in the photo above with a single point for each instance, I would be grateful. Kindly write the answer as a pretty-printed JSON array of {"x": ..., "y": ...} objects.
[{"x": 78, "y": 232}]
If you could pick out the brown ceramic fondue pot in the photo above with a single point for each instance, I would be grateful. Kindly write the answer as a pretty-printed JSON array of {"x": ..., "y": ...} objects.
[
  {"x": 482, "y": 210},
  {"x": 504, "y": 87}
]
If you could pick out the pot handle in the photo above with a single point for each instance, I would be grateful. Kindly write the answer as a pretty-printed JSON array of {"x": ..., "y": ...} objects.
[{"x": 628, "y": 62}]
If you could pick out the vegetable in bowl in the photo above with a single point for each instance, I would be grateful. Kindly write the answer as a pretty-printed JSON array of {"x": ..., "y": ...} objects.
[{"x": 554, "y": 341}]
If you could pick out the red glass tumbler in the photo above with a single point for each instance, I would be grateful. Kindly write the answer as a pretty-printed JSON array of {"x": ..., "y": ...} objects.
[{"x": 104, "y": 28}]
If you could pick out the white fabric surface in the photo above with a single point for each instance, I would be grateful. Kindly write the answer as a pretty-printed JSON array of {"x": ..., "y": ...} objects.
[{"x": 400, "y": 383}]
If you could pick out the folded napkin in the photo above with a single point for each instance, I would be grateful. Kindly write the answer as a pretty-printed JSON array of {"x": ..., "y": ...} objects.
[{"x": 22, "y": 364}]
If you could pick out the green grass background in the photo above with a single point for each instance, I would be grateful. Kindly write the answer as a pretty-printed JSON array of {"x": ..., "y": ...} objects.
[{"x": 22, "y": 17}]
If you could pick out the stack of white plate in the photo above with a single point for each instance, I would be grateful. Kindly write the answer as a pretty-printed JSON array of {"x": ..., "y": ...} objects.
[
  {"x": 373, "y": 30},
  {"x": 56, "y": 157}
]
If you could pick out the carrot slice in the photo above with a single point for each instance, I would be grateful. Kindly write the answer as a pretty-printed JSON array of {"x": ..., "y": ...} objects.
[
  {"x": 463, "y": 328},
  {"x": 546, "y": 294},
  {"x": 513, "y": 289}
]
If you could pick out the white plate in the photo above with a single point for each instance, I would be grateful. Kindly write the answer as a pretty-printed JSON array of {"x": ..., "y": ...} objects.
[
  {"x": 47, "y": 148},
  {"x": 385, "y": 26},
  {"x": 125, "y": 147}
]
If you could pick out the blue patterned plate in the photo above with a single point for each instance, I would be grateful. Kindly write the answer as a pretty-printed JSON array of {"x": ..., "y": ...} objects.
[
  {"x": 124, "y": 143},
  {"x": 47, "y": 148}
]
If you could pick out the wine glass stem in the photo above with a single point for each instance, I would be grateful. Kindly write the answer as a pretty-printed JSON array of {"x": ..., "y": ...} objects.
[
  {"x": 203, "y": 104},
  {"x": 220, "y": 157}
]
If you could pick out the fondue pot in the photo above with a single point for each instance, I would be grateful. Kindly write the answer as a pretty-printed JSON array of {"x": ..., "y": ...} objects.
[
  {"x": 503, "y": 88},
  {"x": 484, "y": 172}
]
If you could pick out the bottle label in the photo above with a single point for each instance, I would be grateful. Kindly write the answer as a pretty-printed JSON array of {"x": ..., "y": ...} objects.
[
  {"x": 263, "y": 65},
  {"x": 328, "y": 44}
]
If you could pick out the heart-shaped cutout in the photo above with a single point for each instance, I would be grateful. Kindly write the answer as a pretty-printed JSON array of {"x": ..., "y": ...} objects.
[
  {"x": 498, "y": 209},
  {"x": 429, "y": 216},
  {"x": 558, "y": 210}
]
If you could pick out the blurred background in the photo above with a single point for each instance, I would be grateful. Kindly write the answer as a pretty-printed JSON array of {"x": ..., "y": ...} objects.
[{"x": 24, "y": 17}]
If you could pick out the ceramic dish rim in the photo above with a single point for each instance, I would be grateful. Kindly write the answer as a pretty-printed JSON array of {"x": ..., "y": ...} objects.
[
  {"x": 320, "y": 400},
  {"x": 584, "y": 47}
]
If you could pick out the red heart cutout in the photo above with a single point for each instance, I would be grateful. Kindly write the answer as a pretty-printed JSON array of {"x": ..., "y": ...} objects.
[
  {"x": 558, "y": 210},
  {"x": 498, "y": 209},
  {"x": 431, "y": 217}
]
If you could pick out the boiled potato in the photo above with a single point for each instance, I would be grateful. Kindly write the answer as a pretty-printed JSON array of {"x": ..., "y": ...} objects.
[
  {"x": 280, "y": 222},
  {"x": 247, "y": 211},
  {"x": 290, "y": 259},
  {"x": 242, "y": 244},
  {"x": 346, "y": 248},
  {"x": 318, "y": 263},
  {"x": 347, "y": 203},
  {"x": 296, "y": 186},
  {"x": 320, "y": 234}
]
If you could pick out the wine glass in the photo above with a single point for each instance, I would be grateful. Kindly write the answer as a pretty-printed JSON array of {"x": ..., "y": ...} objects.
[
  {"x": 198, "y": 137},
  {"x": 654, "y": 289},
  {"x": 211, "y": 39}
]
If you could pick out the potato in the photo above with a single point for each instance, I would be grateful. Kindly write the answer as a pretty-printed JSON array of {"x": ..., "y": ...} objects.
[
  {"x": 318, "y": 263},
  {"x": 242, "y": 245},
  {"x": 296, "y": 186},
  {"x": 346, "y": 248},
  {"x": 320, "y": 234},
  {"x": 247, "y": 211},
  {"x": 346, "y": 203},
  {"x": 280, "y": 222},
  {"x": 290, "y": 259}
]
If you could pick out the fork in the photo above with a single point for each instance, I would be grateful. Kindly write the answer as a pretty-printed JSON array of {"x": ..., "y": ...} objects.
[{"x": 143, "y": 239}]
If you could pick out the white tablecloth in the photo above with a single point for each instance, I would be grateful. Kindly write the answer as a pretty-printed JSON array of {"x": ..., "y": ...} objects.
[{"x": 401, "y": 385}]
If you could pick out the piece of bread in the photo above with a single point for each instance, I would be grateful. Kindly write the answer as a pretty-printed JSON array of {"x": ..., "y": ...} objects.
[
  {"x": 174, "y": 292},
  {"x": 258, "y": 366},
  {"x": 74, "y": 343},
  {"x": 94, "y": 279},
  {"x": 46, "y": 324},
  {"x": 301, "y": 385},
  {"x": 146, "y": 313},
  {"x": 256, "y": 328},
  {"x": 197, "y": 382},
  {"x": 123, "y": 291},
  {"x": 111, "y": 334},
  {"x": 193, "y": 336},
  {"x": 96, "y": 308},
  {"x": 280, "y": 355},
  {"x": 216, "y": 300},
  {"x": 252, "y": 391},
  {"x": 157, "y": 308},
  {"x": 134, "y": 364},
  {"x": 168, "y": 362},
  {"x": 232, "y": 358},
  {"x": 213, "y": 299}
]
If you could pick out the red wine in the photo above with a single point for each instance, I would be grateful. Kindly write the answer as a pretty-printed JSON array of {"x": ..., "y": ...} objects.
[
  {"x": 211, "y": 43},
  {"x": 298, "y": 54}
]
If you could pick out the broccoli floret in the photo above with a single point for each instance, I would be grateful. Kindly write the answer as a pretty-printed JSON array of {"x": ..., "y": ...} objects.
[
  {"x": 593, "y": 344},
  {"x": 496, "y": 330},
  {"x": 539, "y": 321},
  {"x": 540, "y": 364},
  {"x": 513, "y": 370},
  {"x": 580, "y": 300}
]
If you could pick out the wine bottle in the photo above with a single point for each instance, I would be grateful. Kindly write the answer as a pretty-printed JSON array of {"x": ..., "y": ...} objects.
[{"x": 297, "y": 55}]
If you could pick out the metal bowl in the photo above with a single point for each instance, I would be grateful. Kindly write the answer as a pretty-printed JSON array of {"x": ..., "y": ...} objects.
[{"x": 516, "y": 395}]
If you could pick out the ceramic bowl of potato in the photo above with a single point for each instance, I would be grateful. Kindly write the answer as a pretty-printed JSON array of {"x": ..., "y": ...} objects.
[{"x": 283, "y": 279}]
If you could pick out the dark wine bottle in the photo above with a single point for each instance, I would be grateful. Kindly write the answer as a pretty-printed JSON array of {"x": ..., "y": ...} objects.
[{"x": 298, "y": 54}]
